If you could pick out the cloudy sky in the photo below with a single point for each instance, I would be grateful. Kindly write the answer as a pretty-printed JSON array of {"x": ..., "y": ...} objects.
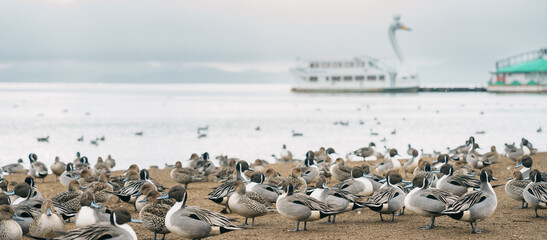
[{"x": 255, "y": 41}]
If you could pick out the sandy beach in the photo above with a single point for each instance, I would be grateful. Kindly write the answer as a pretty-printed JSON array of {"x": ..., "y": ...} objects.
[{"x": 507, "y": 222}]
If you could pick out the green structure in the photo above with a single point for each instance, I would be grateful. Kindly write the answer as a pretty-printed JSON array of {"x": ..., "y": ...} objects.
[{"x": 525, "y": 72}]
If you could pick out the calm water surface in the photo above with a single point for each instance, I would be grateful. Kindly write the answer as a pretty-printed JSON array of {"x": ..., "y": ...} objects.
[{"x": 170, "y": 114}]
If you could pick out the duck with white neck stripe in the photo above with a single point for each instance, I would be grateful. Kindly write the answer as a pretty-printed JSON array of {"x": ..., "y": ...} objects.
[
  {"x": 222, "y": 193},
  {"x": 37, "y": 169},
  {"x": 535, "y": 192},
  {"x": 194, "y": 222},
  {"x": 477, "y": 205},
  {"x": 389, "y": 198}
]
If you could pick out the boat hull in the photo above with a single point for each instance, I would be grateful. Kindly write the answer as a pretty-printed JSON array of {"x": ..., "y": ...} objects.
[
  {"x": 517, "y": 89},
  {"x": 355, "y": 90}
]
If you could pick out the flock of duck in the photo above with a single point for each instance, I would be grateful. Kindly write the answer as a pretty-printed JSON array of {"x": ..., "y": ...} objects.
[{"x": 457, "y": 184}]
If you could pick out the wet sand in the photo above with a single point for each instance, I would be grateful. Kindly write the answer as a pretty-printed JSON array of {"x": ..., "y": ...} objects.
[{"x": 507, "y": 222}]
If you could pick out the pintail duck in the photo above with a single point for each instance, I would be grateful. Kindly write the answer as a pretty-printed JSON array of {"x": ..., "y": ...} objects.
[
  {"x": 475, "y": 160},
  {"x": 339, "y": 200},
  {"x": 310, "y": 170},
  {"x": 375, "y": 178},
  {"x": 15, "y": 167},
  {"x": 410, "y": 150},
  {"x": 456, "y": 184},
  {"x": 389, "y": 198},
  {"x": 83, "y": 164},
  {"x": 257, "y": 185},
  {"x": 117, "y": 228},
  {"x": 86, "y": 178},
  {"x": 128, "y": 193},
  {"x": 206, "y": 166},
  {"x": 332, "y": 155},
  {"x": 58, "y": 168},
  {"x": 426, "y": 201},
  {"x": 101, "y": 189},
  {"x": 427, "y": 173},
  {"x": 69, "y": 200},
  {"x": 48, "y": 223},
  {"x": 25, "y": 207},
  {"x": 193, "y": 222},
  {"x": 110, "y": 162},
  {"x": 153, "y": 214},
  {"x": 77, "y": 159},
  {"x": 441, "y": 160},
  {"x": 222, "y": 193},
  {"x": 477, "y": 205},
  {"x": 140, "y": 201},
  {"x": 527, "y": 164},
  {"x": 273, "y": 178},
  {"x": 390, "y": 163},
  {"x": 535, "y": 193},
  {"x": 226, "y": 172},
  {"x": 9, "y": 229},
  {"x": 493, "y": 155},
  {"x": 300, "y": 207},
  {"x": 411, "y": 163},
  {"x": 516, "y": 154},
  {"x": 90, "y": 213},
  {"x": 286, "y": 155},
  {"x": 193, "y": 161},
  {"x": 357, "y": 184},
  {"x": 340, "y": 171},
  {"x": 248, "y": 204},
  {"x": 259, "y": 165},
  {"x": 69, "y": 174},
  {"x": 35, "y": 194},
  {"x": 515, "y": 187},
  {"x": 368, "y": 151},
  {"x": 185, "y": 175},
  {"x": 295, "y": 178},
  {"x": 37, "y": 169},
  {"x": 101, "y": 167}
]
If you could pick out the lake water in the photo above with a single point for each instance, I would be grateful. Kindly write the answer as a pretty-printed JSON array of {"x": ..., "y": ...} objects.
[{"x": 170, "y": 114}]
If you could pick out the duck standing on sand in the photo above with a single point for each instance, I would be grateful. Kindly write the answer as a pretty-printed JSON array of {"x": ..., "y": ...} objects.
[
  {"x": 58, "y": 168},
  {"x": 515, "y": 187},
  {"x": 389, "y": 198},
  {"x": 390, "y": 163},
  {"x": 48, "y": 223},
  {"x": 535, "y": 192},
  {"x": 295, "y": 178},
  {"x": 340, "y": 171},
  {"x": 37, "y": 169},
  {"x": 526, "y": 162},
  {"x": 456, "y": 184},
  {"x": 427, "y": 202},
  {"x": 193, "y": 222},
  {"x": 185, "y": 175},
  {"x": 357, "y": 184},
  {"x": 15, "y": 167},
  {"x": 248, "y": 204},
  {"x": 477, "y": 205},
  {"x": 153, "y": 214}
]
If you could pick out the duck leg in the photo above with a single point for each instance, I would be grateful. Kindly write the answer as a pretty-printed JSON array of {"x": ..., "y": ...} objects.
[
  {"x": 333, "y": 218},
  {"x": 163, "y": 238},
  {"x": 253, "y": 222},
  {"x": 245, "y": 224},
  {"x": 381, "y": 218},
  {"x": 393, "y": 217},
  {"x": 155, "y": 235},
  {"x": 431, "y": 225},
  {"x": 537, "y": 213},
  {"x": 305, "y": 226},
  {"x": 475, "y": 228},
  {"x": 297, "y": 226}
]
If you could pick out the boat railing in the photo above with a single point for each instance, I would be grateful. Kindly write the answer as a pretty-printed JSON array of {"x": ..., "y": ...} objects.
[{"x": 521, "y": 57}]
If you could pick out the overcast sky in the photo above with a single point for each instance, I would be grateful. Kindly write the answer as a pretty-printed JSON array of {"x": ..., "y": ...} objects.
[{"x": 255, "y": 40}]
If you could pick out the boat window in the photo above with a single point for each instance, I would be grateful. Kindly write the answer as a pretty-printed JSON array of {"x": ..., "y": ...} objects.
[
  {"x": 325, "y": 65},
  {"x": 314, "y": 65},
  {"x": 336, "y": 64},
  {"x": 313, "y": 79},
  {"x": 335, "y": 78},
  {"x": 359, "y": 78},
  {"x": 412, "y": 77},
  {"x": 359, "y": 64},
  {"x": 348, "y": 64},
  {"x": 347, "y": 78},
  {"x": 371, "y": 78},
  {"x": 381, "y": 77}
]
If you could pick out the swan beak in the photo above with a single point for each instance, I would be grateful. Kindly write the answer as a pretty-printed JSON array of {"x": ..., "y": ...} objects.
[
  {"x": 166, "y": 196},
  {"x": 405, "y": 28},
  {"x": 135, "y": 220}
]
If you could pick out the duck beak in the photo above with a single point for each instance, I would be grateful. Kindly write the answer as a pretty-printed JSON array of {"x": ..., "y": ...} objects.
[
  {"x": 10, "y": 193},
  {"x": 325, "y": 186},
  {"x": 436, "y": 161},
  {"x": 383, "y": 180},
  {"x": 409, "y": 186},
  {"x": 126, "y": 170},
  {"x": 144, "y": 200},
  {"x": 82, "y": 187},
  {"x": 77, "y": 177},
  {"x": 48, "y": 212},
  {"x": 166, "y": 196},
  {"x": 246, "y": 181},
  {"x": 405, "y": 181},
  {"x": 126, "y": 179},
  {"x": 437, "y": 171},
  {"x": 93, "y": 204},
  {"x": 511, "y": 178},
  {"x": 17, "y": 218},
  {"x": 252, "y": 170},
  {"x": 494, "y": 179},
  {"x": 367, "y": 176},
  {"x": 135, "y": 220},
  {"x": 520, "y": 164}
]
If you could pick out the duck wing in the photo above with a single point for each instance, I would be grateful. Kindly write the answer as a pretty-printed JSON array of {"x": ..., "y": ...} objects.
[
  {"x": 466, "y": 181},
  {"x": 223, "y": 190},
  {"x": 213, "y": 218},
  {"x": 311, "y": 203},
  {"x": 381, "y": 196},
  {"x": 465, "y": 202},
  {"x": 539, "y": 190},
  {"x": 443, "y": 196}
]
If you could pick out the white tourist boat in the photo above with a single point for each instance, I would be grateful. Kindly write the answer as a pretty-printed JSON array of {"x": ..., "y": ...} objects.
[{"x": 360, "y": 74}]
